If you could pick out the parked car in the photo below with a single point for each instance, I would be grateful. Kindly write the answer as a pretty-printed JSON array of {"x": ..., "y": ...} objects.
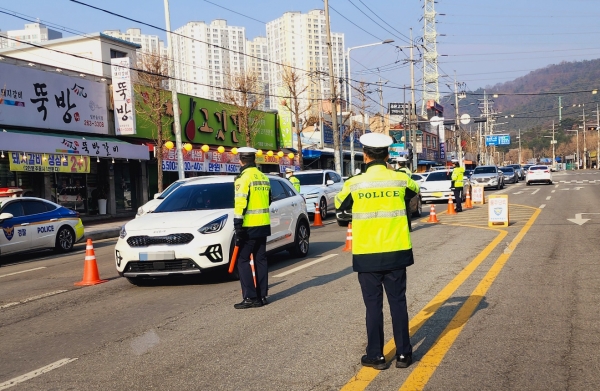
[
  {"x": 149, "y": 206},
  {"x": 30, "y": 223},
  {"x": 192, "y": 231},
  {"x": 519, "y": 169},
  {"x": 510, "y": 175},
  {"x": 320, "y": 186},
  {"x": 488, "y": 176},
  {"x": 538, "y": 174},
  {"x": 438, "y": 187},
  {"x": 419, "y": 177}
]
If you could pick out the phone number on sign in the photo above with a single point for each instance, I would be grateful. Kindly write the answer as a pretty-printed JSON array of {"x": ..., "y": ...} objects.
[
  {"x": 97, "y": 124},
  {"x": 168, "y": 165}
]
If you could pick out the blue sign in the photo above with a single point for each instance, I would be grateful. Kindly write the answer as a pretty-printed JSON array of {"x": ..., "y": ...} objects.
[
  {"x": 497, "y": 139},
  {"x": 328, "y": 138}
]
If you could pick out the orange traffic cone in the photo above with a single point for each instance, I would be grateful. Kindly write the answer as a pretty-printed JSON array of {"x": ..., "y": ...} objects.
[
  {"x": 348, "y": 238},
  {"x": 90, "y": 268},
  {"x": 432, "y": 216},
  {"x": 468, "y": 204},
  {"x": 451, "y": 210},
  {"x": 317, "y": 222}
]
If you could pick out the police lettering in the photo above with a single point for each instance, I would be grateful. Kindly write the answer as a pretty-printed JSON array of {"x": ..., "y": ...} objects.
[
  {"x": 48, "y": 228},
  {"x": 379, "y": 194}
]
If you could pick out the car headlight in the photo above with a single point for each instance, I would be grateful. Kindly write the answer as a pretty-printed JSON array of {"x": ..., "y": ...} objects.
[
  {"x": 123, "y": 232},
  {"x": 214, "y": 226},
  {"x": 311, "y": 195},
  {"x": 140, "y": 211}
]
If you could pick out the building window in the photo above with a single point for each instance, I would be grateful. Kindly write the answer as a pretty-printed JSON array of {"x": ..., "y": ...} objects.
[{"x": 117, "y": 54}]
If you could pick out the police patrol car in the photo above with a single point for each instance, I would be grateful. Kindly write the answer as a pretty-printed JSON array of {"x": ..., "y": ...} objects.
[{"x": 30, "y": 223}]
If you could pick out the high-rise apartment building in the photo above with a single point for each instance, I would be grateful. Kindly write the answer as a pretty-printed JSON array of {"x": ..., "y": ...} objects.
[
  {"x": 206, "y": 55},
  {"x": 149, "y": 43},
  {"x": 32, "y": 33},
  {"x": 257, "y": 61},
  {"x": 300, "y": 40}
]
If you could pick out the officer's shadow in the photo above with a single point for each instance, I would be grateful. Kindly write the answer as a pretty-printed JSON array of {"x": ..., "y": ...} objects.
[
  {"x": 445, "y": 319},
  {"x": 314, "y": 282}
]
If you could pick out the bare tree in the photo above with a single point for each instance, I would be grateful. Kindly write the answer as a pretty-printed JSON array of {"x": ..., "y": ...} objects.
[
  {"x": 244, "y": 91},
  {"x": 153, "y": 102}
]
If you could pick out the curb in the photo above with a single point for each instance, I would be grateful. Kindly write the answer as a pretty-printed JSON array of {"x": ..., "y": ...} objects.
[{"x": 100, "y": 234}]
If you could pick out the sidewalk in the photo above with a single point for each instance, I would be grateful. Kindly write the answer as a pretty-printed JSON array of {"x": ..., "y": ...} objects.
[{"x": 104, "y": 230}]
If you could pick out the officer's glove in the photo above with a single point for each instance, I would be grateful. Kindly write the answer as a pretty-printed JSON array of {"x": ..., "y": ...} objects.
[{"x": 240, "y": 232}]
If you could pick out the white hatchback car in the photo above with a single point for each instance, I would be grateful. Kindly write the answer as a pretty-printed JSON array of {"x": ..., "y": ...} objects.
[
  {"x": 192, "y": 229},
  {"x": 538, "y": 174},
  {"x": 149, "y": 206},
  {"x": 320, "y": 187}
]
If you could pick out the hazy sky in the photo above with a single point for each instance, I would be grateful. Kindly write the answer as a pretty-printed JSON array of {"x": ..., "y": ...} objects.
[{"x": 485, "y": 42}]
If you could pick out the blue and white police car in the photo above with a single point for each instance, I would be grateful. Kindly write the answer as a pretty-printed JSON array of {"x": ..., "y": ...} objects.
[{"x": 30, "y": 223}]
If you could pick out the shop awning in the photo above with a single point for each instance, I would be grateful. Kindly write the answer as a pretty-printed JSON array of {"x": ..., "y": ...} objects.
[{"x": 44, "y": 142}]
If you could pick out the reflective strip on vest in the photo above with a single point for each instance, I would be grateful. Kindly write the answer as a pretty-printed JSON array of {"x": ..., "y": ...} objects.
[
  {"x": 377, "y": 184},
  {"x": 257, "y": 211},
  {"x": 260, "y": 183},
  {"x": 378, "y": 214}
]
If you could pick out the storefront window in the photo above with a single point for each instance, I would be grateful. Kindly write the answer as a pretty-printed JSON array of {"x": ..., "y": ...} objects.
[{"x": 124, "y": 191}]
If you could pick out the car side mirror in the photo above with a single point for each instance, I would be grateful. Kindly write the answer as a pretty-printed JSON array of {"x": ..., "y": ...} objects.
[
  {"x": 156, "y": 195},
  {"x": 6, "y": 216},
  {"x": 329, "y": 182}
]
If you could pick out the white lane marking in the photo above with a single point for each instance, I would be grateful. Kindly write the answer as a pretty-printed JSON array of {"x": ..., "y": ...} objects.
[
  {"x": 32, "y": 298},
  {"x": 566, "y": 188},
  {"x": 37, "y": 372},
  {"x": 547, "y": 198},
  {"x": 556, "y": 186},
  {"x": 553, "y": 191},
  {"x": 519, "y": 192},
  {"x": 535, "y": 191},
  {"x": 542, "y": 206},
  {"x": 22, "y": 271},
  {"x": 305, "y": 265}
]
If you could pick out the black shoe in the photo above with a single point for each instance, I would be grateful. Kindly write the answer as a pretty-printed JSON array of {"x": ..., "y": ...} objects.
[
  {"x": 377, "y": 363},
  {"x": 264, "y": 301},
  {"x": 248, "y": 303},
  {"x": 403, "y": 360}
]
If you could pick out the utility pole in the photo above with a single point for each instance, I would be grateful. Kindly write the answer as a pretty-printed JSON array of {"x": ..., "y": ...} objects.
[
  {"x": 336, "y": 131},
  {"x": 559, "y": 111},
  {"x": 598, "y": 138},
  {"x": 553, "y": 143},
  {"x": 519, "y": 146},
  {"x": 380, "y": 83},
  {"x": 413, "y": 103},
  {"x": 584, "y": 143},
  {"x": 457, "y": 125},
  {"x": 176, "y": 120}
]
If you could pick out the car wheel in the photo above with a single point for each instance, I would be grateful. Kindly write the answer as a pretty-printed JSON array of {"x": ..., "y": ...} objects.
[
  {"x": 65, "y": 239},
  {"x": 301, "y": 241},
  {"x": 323, "y": 208},
  {"x": 549, "y": 182},
  {"x": 419, "y": 211},
  {"x": 528, "y": 183},
  {"x": 235, "y": 275}
]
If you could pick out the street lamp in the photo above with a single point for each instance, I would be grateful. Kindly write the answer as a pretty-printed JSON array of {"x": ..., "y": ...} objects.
[{"x": 350, "y": 95}]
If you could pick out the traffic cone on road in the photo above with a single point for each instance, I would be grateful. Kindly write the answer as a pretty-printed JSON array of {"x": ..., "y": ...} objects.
[
  {"x": 432, "y": 216},
  {"x": 317, "y": 221},
  {"x": 468, "y": 204},
  {"x": 451, "y": 210},
  {"x": 90, "y": 268},
  {"x": 348, "y": 238}
]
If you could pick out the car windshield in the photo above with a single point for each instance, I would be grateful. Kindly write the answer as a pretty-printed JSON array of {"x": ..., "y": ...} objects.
[
  {"x": 170, "y": 189},
  {"x": 310, "y": 179},
  {"x": 199, "y": 197},
  {"x": 438, "y": 176},
  {"x": 508, "y": 170},
  {"x": 484, "y": 170}
]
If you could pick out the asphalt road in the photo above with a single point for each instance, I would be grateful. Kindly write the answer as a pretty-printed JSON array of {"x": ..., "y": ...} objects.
[{"x": 491, "y": 308}]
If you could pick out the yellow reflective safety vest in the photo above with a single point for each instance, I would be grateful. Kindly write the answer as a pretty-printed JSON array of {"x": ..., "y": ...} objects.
[
  {"x": 252, "y": 196},
  {"x": 296, "y": 182},
  {"x": 458, "y": 174},
  {"x": 381, "y": 237}
]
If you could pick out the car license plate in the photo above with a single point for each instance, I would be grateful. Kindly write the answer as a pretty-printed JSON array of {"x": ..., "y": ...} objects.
[
  {"x": 157, "y": 256},
  {"x": 437, "y": 194}
]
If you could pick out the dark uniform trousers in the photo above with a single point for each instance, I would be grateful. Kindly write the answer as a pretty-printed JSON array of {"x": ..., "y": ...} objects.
[
  {"x": 258, "y": 249},
  {"x": 458, "y": 191},
  {"x": 372, "y": 285}
]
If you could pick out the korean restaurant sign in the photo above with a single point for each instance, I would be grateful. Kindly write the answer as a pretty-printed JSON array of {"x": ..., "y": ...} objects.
[
  {"x": 42, "y": 162},
  {"x": 210, "y": 122},
  {"x": 48, "y": 100},
  {"x": 122, "y": 92},
  {"x": 192, "y": 160}
]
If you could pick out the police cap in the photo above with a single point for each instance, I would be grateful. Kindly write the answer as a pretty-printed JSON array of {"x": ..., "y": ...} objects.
[
  {"x": 246, "y": 150},
  {"x": 401, "y": 159},
  {"x": 376, "y": 140}
]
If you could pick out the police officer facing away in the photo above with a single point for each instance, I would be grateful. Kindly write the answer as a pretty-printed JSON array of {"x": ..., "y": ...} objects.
[
  {"x": 381, "y": 248},
  {"x": 403, "y": 168},
  {"x": 289, "y": 174},
  {"x": 457, "y": 178},
  {"x": 252, "y": 225}
]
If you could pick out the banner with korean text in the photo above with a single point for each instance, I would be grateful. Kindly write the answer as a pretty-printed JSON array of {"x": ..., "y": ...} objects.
[
  {"x": 34, "y": 98},
  {"x": 122, "y": 93},
  {"x": 42, "y": 162},
  {"x": 192, "y": 160}
]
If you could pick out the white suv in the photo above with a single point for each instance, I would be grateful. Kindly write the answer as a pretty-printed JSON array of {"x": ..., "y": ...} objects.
[
  {"x": 192, "y": 229},
  {"x": 320, "y": 187}
]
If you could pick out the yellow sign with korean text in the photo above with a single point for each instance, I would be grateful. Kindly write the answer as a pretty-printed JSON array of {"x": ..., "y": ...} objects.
[
  {"x": 44, "y": 162},
  {"x": 498, "y": 210}
]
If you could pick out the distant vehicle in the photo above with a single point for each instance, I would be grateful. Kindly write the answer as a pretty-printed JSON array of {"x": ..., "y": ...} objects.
[
  {"x": 510, "y": 175},
  {"x": 538, "y": 174},
  {"x": 30, "y": 223},
  {"x": 319, "y": 186},
  {"x": 438, "y": 186},
  {"x": 468, "y": 173},
  {"x": 526, "y": 167},
  {"x": 149, "y": 206},
  {"x": 419, "y": 177},
  {"x": 488, "y": 176},
  {"x": 520, "y": 170}
]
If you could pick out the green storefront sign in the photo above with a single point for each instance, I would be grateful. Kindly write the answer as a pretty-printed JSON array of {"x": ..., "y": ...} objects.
[{"x": 205, "y": 121}]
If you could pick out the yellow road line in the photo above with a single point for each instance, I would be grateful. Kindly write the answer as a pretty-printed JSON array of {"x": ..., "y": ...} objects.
[
  {"x": 429, "y": 363},
  {"x": 365, "y": 375}
]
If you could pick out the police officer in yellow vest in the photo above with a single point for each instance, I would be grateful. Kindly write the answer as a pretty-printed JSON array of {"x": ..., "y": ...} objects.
[
  {"x": 381, "y": 248},
  {"x": 457, "y": 179},
  {"x": 252, "y": 225},
  {"x": 289, "y": 174},
  {"x": 402, "y": 165},
  {"x": 401, "y": 161}
]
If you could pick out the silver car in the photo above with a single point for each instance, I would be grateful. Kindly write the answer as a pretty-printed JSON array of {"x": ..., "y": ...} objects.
[{"x": 488, "y": 176}]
